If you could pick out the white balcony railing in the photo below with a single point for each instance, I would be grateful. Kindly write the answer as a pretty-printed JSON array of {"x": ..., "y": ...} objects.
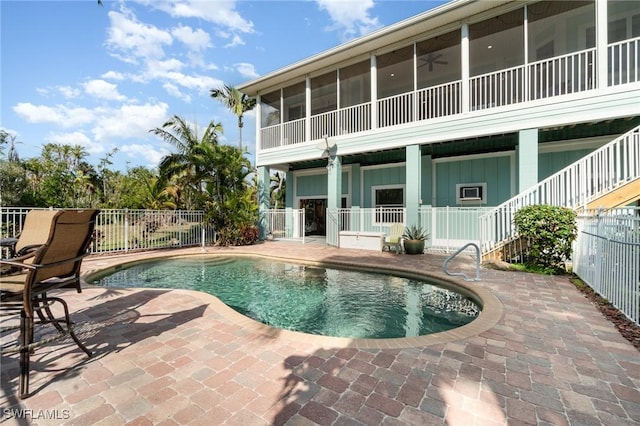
[
  {"x": 624, "y": 62},
  {"x": 293, "y": 132},
  {"x": 557, "y": 76},
  {"x": 354, "y": 119},
  {"x": 562, "y": 75},
  {"x": 396, "y": 110},
  {"x": 602, "y": 171},
  {"x": 497, "y": 89},
  {"x": 440, "y": 101},
  {"x": 271, "y": 136}
]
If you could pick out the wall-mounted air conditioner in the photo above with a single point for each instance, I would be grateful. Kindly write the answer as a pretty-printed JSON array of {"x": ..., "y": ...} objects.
[{"x": 471, "y": 193}]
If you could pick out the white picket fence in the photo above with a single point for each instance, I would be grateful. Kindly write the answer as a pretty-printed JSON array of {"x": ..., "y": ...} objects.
[
  {"x": 124, "y": 230},
  {"x": 607, "y": 257}
]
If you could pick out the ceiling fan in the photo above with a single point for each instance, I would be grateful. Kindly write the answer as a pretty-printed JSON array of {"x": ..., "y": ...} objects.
[{"x": 431, "y": 59}]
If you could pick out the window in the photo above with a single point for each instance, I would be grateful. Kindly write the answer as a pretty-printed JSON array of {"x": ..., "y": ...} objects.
[
  {"x": 395, "y": 72},
  {"x": 355, "y": 84},
  {"x": 270, "y": 109},
  {"x": 293, "y": 98},
  {"x": 471, "y": 193},
  {"x": 324, "y": 94},
  {"x": 496, "y": 43},
  {"x": 439, "y": 60},
  {"x": 389, "y": 204}
]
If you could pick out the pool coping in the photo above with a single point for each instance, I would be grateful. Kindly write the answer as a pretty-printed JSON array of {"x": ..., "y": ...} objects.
[{"x": 490, "y": 314}]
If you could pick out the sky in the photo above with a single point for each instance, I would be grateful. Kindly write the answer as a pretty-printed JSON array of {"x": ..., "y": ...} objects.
[{"x": 73, "y": 72}]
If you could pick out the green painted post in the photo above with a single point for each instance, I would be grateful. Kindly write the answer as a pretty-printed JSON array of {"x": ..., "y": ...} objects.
[
  {"x": 527, "y": 159},
  {"x": 264, "y": 202},
  {"x": 413, "y": 170}
]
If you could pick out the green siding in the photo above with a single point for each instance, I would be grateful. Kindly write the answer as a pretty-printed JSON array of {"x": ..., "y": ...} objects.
[
  {"x": 316, "y": 185},
  {"x": 552, "y": 162},
  {"x": 311, "y": 185},
  {"x": 426, "y": 190},
  {"x": 494, "y": 171},
  {"x": 381, "y": 176}
]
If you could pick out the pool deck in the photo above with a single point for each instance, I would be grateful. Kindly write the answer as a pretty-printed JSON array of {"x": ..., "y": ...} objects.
[{"x": 541, "y": 354}]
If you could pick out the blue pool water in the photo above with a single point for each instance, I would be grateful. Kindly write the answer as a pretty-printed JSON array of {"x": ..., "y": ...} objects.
[{"x": 316, "y": 300}]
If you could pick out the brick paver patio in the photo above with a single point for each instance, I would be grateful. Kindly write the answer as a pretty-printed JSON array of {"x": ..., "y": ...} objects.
[{"x": 543, "y": 355}]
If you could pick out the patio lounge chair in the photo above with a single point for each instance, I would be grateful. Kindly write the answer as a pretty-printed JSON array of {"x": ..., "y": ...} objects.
[
  {"x": 394, "y": 239},
  {"x": 34, "y": 233},
  {"x": 52, "y": 265}
]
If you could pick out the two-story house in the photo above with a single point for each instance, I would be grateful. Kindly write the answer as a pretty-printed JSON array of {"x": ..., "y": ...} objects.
[{"x": 465, "y": 105}]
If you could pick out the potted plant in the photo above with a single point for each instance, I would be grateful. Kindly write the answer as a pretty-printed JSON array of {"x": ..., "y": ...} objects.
[{"x": 414, "y": 238}]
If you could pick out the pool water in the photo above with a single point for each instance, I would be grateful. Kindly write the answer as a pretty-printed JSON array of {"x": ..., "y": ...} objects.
[{"x": 315, "y": 300}]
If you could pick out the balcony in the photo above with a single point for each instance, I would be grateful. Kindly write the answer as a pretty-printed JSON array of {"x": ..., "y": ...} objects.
[{"x": 558, "y": 76}]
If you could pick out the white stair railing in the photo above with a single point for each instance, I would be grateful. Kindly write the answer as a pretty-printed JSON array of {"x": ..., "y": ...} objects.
[{"x": 594, "y": 175}]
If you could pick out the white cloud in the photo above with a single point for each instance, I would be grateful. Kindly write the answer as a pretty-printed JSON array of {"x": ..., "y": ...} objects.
[
  {"x": 193, "y": 82},
  {"x": 60, "y": 115},
  {"x": 130, "y": 39},
  {"x": 69, "y": 92},
  {"x": 174, "y": 91},
  {"x": 129, "y": 121},
  {"x": 76, "y": 138},
  {"x": 113, "y": 75},
  {"x": 350, "y": 17},
  {"x": 159, "y": 68},
  {"x": 219, "y": 12},
  {"x": 236, "y": 40},
  {"x": 152, "y": 154},
  {"x": 246, "y": 70},
  {"x": 103, "y": 90},
  {"x": 194, "y": 40}
]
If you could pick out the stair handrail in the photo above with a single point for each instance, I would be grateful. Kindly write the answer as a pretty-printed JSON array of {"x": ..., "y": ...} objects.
[
  {"x": 462, "y": 274},
  {"x": 573, "y": 187}
]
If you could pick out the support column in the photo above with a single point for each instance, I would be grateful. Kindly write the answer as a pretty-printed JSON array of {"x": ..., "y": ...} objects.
[
  {"x": 601, "y": 44},
  {"x": 307, "y": 110},
  {"x": 356, "y": 196},
  {"x": 334, "y": 183},
  {"x": 527, "y": 153},
  {"x": 413, "y": 170},
  {"x": 334, "y": 198},
  {"x": 374, "y": 93},
  {"x": 464, "y": 53},
  {"x": 264, "y": 202}
]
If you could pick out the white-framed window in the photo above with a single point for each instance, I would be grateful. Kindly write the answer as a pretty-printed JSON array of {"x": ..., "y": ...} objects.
[
  {"x": 471, "y": 193},
  {"x": 388, "y": 201}
]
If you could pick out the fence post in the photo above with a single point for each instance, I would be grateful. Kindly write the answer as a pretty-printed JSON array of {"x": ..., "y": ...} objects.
[
  {"x": 180, "y": 228},
  {"x": 126, "y": 230},
  {"x": 202, "y": 233}
]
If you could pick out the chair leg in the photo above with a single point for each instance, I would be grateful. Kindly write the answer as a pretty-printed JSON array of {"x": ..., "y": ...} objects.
[
  {"x": 26, "y": 338},
  {"x": 51, "y": 318},
  {"x": 67, "y": 320}
]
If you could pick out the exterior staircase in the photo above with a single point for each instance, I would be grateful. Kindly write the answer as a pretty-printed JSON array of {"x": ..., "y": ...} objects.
[
  {"x": 618, "y": 197},
  {"x": 608, "y": 177}
]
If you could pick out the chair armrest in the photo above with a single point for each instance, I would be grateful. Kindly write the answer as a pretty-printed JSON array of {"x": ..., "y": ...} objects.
[{"x": 28, "y": 249}]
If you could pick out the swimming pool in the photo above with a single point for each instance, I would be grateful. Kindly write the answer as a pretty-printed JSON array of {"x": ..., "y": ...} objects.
[{"x": 317, "y": 300}]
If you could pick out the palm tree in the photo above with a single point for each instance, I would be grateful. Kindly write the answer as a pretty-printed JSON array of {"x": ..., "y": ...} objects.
[
  {"x": 238, "y": 103},
  {"x": 190, "y": 165}
]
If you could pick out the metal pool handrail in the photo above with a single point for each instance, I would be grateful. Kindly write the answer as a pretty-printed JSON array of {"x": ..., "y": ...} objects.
[{"x": 462, "y": 274}]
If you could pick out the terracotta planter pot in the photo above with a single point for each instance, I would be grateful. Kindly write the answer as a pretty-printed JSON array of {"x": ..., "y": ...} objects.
[{"x": 414, "y": 246}]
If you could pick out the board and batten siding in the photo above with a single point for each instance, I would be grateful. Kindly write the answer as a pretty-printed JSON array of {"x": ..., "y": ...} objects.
[{"x": 495, "y": 171}]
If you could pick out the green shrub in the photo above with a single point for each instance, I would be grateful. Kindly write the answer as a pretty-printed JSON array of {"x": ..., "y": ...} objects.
[
  {"x": 551, "y": 230},
  {"x": 238, "y": 236}
]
